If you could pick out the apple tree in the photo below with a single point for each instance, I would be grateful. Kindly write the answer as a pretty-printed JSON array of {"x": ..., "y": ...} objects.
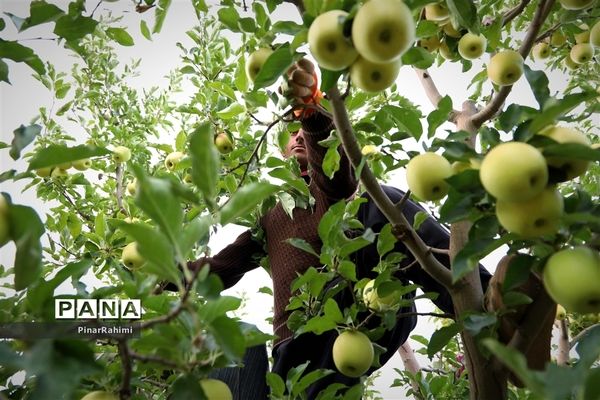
[{"x": 135, "y": 182}]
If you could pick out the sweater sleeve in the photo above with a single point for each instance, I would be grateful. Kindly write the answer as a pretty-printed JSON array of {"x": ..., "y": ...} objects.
[
  {"x": 231, "y": 263},
  {"x": 343, "y": 184}
]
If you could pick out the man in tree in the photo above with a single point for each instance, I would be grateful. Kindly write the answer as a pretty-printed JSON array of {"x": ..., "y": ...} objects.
[{"x": 287, "y": 262}]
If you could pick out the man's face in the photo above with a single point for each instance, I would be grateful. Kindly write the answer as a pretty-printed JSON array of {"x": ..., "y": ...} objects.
[{"x": 296, "y": 148}]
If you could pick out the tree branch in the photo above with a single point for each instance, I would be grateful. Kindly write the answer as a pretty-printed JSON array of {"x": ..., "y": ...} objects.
[
  {"x": 125, "y": 391},
  {"x": 432, "y": 91},
  {"x": 562, "y": 358},
  {"x": 411, "y": 365},
  {"x": 514, "y": 12},
  {"x": 581, "y": 335},
  {"x": 496, "y": 103},
  {"x": 411, "y": 239}
]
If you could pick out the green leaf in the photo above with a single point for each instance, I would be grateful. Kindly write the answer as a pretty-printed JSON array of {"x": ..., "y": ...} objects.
[
  {"x": 187, "y": 387},
  {"x": 302, "y": 245},
  {"x": 426, "y": 29},
  {"x": 418, "y": 57},
  {"x": 23, "y": 135},
  {"x": 474, "y": 323},
  {"x": 229, "y": 17},
  {"x": 156, "y": 198},
  {"x": 223, "y": 88},
  {"x": 4, "y": 72},
  {"x": 572, "y": 150},
  {"x": 245, "y": 200},
  {"x": 329, "y": 79},
  {"x": 331, "y": 161},
  {"x": 247, "y": 25},
  {"x": 56, "y": 153},
  {"x": 386, "y": 240},
  {"x": 19, "y": 53},
  {"x": 465, "y": 13},
  {"x": 120, "y": 36},
  {"x": 213, "y": 309},
  {"x": 468, "y": 257},
  {"x": 40, "y": 12},
  {"x": 539, "y": 85},
  {"x": 553, "y": 109},
  {"x": 234, "y": 109},
  {"x": 276, "y": 384},
  {"x": 205, "y": 162},
  {"x": 145, "y": 30},
  {"x": 441, "y": 337},
  {"x": 420, "y": 217},
  {"x": 241, "y": 79},
  {"x": 406, "y": 120},
  {"x": 26, "y": 229},
  {"x": 194, "y": 232},
  {"x": 275, "y": 66},
  {"x": 228, "y": 335},
  {"x": 437, "y": 117},
  {"x": 73, "y": 28},
  {"x": 160, "y": 14},
  {"x": 287, "y": 27}
]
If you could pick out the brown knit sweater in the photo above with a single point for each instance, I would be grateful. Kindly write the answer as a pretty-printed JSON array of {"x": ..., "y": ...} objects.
[{"x": 287, "y": 261}]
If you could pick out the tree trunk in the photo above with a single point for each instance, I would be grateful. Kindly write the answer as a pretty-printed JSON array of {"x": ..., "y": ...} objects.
[{"x": 562, "y": 358}]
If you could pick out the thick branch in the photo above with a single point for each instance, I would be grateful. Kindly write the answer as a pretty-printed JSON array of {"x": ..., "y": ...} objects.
[
  {"x": 562, "y": 358},
  {"x": 411, "y": 239},
  {"x": 496, "y": 103},
  {"x": 539, "y": 311},
  {"x": 411, "y": 365},
  {"x": 125, "y": 392},
  {"x": 432, "y": 91}
]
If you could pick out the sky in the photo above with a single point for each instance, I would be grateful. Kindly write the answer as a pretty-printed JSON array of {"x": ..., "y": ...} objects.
[{"x": 19, "y": 104}]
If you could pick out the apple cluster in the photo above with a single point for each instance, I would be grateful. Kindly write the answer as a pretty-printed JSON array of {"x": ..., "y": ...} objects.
[
  {"x": 516, "y": 174},
  {"x": 382, "y": 30},
  {"x": 62, "y": 169}
]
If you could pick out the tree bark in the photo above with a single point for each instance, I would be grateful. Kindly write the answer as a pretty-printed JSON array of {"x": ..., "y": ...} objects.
[
  {"x": 411, "y": 365},
  {"x": 562, "y": 358}
]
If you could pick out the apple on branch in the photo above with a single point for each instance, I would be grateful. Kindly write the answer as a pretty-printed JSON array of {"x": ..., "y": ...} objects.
[
  {"x": 82, "y": 165},
  {"x": 44, "y": 172},
  {"x": 471, "y": 46},
  {"x": 328, "y": 45},
  {"x": 374, "y": 77},
  {"x": 223, "y": 143},
  {"x": 99, "y": 395},
  {"x": 514, "y": 171},
  {"x": 595, "y": 35},
  {"x": 436, "y": 12},
  {"x": 215, "y": 389},
  {"x": 426, "y": 175},
  {"x": 353, "y": 353},
  {"x": 576, "y": 4},
  {"x": 572, "y": 277},
  {"x": 538, "y": 216},
  {"x": 255, "y": 62},
  {"x": 132, "y": 187},
  {"x": 121, "y": 154},
  {"x": 173, "y": 159},
  {"x": 571, "y": 167},
  {"x": 505, "y": 68},
  {"x": 383, "y": 30},
  {"x": 131, "y": 257},
  {"x": 582, "y": 53},
  {"x": 377, "y": 303},
  {"x": 541, "y": 51}
]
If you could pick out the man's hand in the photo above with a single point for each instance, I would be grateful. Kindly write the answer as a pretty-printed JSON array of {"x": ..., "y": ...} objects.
[{"x": 302, "y": 87}]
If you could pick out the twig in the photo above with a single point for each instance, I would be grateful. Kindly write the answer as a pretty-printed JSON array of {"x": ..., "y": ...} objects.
[
  {"x": 95, "y": 8},
  {"x": 154, "y": 359},
  {"x": 256, "y": 119},
  {"x": 514, "y": 12},
  {"x": 548, "y": 32},
  {"x": 400, "y": 205},
  {"x": 581, "y": 335},
  {"x": 435, "y": 250},
  {"x": 119, "y": 194},
  {"x": 496, "y": 103},
  {"x": 125, "y": 391}
]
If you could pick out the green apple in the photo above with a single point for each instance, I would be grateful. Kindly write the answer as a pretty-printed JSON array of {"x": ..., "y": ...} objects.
[
  {"x": 44, "y": 172},
  {"x": 430, "y": 44},
  {"x": 132, "y": 187},
  {"x": 514, "y": 171},
  {"x": 572, "y": 278},
  {"x": 532, "y": 218},
  {"x": 570, "y": 64},
  {"x": 99, "y": 395},
  {"x": 576, "y": 4},
  {"x": 65, "y": 165},
  {"x": 595, "y": 35},
  {"x": 471, "y": 46},
  {"x": 451, "y": 31},
  {"x": 4, "y": 224},
  {"x": 436, "y": 12},
  {"x": 188, "y": 178},
  {"x": 131, "y": 220},
  {"x": 426, "y": 176},
  {"x": 561, "y": 313},
  {"x": 383, "y": 30},
  {"x": 582, "y": 53},
  {"x": 572, "y": 167},
  {"x": 584, "y": 35},
  {"x": 380, "y": 304},
  {"x": 541, "y": 51},
  {"x": 131, "y": 257},
  {"x": 558, "y": 39},
  {"x": 353, "y": 353},
  {"x": 173, "y": 159},
  {"x": 215, "y": 389},
  {"x": 374, "y": 77},
  {"x": 59, "y": 172},
  {"x": 446, "y": 52},
  {"x": 328, "y": 45},
  {"x": 505, "y": 68},
  {"x": 223, "y": 143},
  {"x": 255, "y": 62},
  {"x": 369, "y": 149},
  {"x": 121, "y": 154},
  {"x": 82, "y": 165}
]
